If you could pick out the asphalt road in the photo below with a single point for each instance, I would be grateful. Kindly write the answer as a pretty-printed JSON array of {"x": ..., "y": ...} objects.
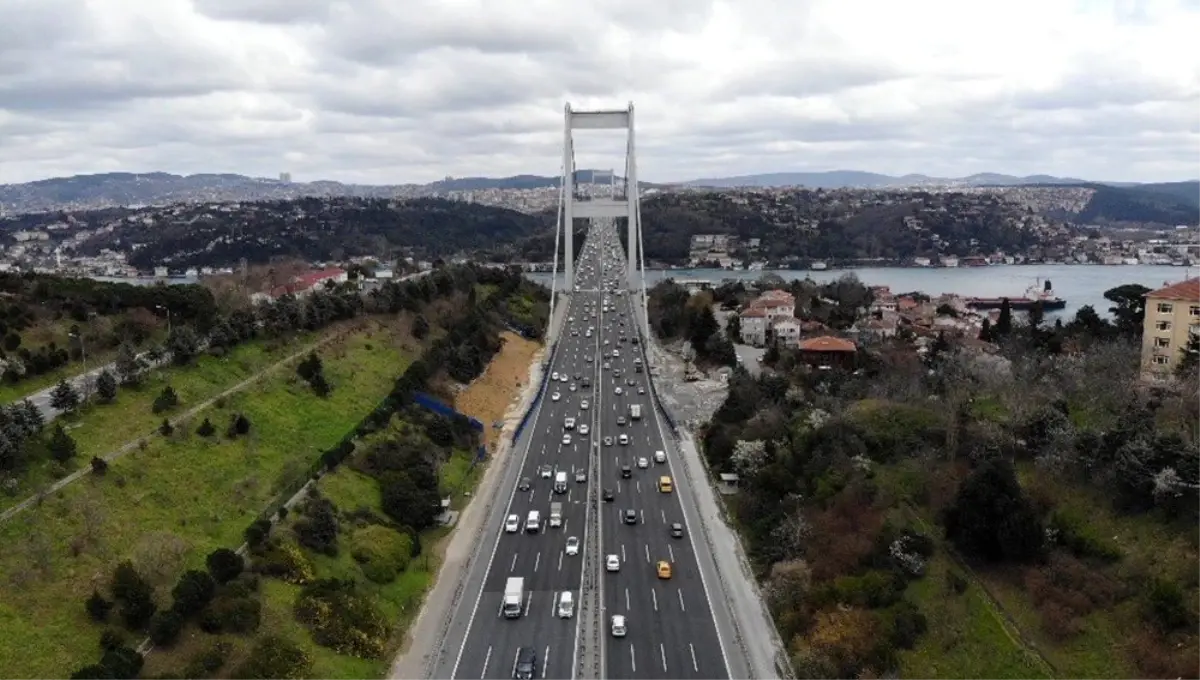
[
  {"x": 671, "y": 630},
  {"x": 489, "y": 647}
]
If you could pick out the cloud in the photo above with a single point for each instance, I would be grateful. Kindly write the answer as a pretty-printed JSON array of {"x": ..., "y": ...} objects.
[{"x": 380, "y": 91}]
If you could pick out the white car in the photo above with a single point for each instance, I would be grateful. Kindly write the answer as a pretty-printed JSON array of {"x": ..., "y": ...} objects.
[
  {"x": 618, "y": 625},
  {"x": 566, "y": 440},
  {"x": 554, "y": 375},
  {"x": 562, "y": 378},
  {"x": 583, "y": 430},
  {"x": 623, "y": 439},
  {"x": 569, "y": 423},
  {"x": 643, "y": 463},
  {"x": 618, "y": 391},
  {"x": 660, "y": 456},
  {"x": 572, "y": 545},
  {"x": 512, "y": 525},
  {"x": 555, "y": 397},
  {"x": 612, "y": 563},
  {"x": 641, "y": 390},
  {"x": 584, "y": 405},
  {"x": 573, "y": 388}
]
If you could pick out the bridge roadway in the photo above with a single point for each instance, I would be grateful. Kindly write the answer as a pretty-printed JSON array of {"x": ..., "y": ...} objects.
[{"x": 671, "y": 631}]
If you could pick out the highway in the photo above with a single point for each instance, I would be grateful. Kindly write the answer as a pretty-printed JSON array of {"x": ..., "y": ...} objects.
[
  {"x": 671, "y": 632},
  {"x": 489, "y": 647}
]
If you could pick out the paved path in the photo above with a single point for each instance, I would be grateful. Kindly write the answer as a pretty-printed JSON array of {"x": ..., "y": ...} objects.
[{"x": 129, "y": 446}]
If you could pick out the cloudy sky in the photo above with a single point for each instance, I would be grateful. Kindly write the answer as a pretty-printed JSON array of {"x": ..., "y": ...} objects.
[{"x": 391, "y": 91}]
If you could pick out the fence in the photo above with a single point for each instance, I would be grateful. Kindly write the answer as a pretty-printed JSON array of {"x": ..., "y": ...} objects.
[{"x": 432, "y": 404}]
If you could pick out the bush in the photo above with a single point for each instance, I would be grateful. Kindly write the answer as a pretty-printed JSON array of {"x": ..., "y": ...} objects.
[
  {"x": 206, "y": 663},
  {"x": 99, "y": 466},
  {"x": 98, "y": 607},
  {"x": 1166, "y": 606},
  {"x": 206, "y": 428},
  {"x": 165, "y": 401},
  {"x": 165, "y": 627},
  {"x": 257, "y": 532},
  {"x": 122, "y": 663},
  {"x": 317, "y": 530},
  {"x": 136, "y": 611},
  {"x": 287, "y": 562},
  {"x": 194, "y": 590},
  {"x": 342, "y": 618},
  {"x": 224, "y": 565},
  {"x": 956, "y": 582},
  {"x": 904, "y": 623},
  {"x": 227, "y": 614},
  {"x": 111, "y": 639},
  {"x": 166, "y": 429},
  {"x": 93, "y": 671},
  {"x": 239, "y": 425},
  {"x": 381, "y": 553},
  {"x": 274, "y": 657}
]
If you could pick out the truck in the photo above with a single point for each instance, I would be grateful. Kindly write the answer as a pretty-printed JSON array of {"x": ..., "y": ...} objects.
[
  {"x": 560, "y": 482},
  {"x": 514, "y": 597},
  {"x": 556, "y": 514},
  {"x": 635, "y": 411}
]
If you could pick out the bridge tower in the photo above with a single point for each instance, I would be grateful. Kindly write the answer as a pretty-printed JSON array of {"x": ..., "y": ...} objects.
[{"x": 624, "y": 202}]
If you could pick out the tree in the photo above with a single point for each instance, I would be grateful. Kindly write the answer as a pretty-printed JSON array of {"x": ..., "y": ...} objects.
[
  {"x": 165, "y": 627},
  {"x": 135, "y": 595},
  {"x": 1189, "y": 358},
  {"x": 1037, "y": 314},
  {"x": 166, "y": 428},
  {"x": 62, "y": 447},
  {"x": 239, "y": 424},
  {"x": 985, "y": 330},
  {"x": 98, "y": 607},
  {"x": 733, "y": 328},
  {"x": 1129, "y": 308},
  {"x": 991, "y": 518},
  {"x": 1004, "y": 322},
  {"x": 320, "y": 386},
  {"x": 166, "y": 400},
  {"x": 193, "y": 591},
  {"x": 224, "y": 564},
  {"x": 129, "y": 365},
  {"x": 183, "y": 345},
  {"x": 106, "y": 386},
  {"x": 65, "y": 397},
  {"x": 420, "y": 327},
  {"x": 99, "y": 466},
  {"x": 310, "y": 366},
  {"x": 206, "y": 428},
  {"x": 274, "y": 657}
]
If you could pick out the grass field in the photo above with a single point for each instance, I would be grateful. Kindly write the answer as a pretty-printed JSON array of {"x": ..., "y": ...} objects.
[
  {"x": 169, "y": 504},
  {"x": 101, "y": 428}
]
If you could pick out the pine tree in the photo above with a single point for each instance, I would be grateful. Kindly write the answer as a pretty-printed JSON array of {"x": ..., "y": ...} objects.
[
  {"x": 65, "y": 397},
  {"x": 206, "y": 428},
  {"x": 106, "y": 386},
  {"x": 62, "y": 447},
  {"x": 1004, "y": 323},
  {"x": 166, "y": 400},
  {"x": 985, "y": 330},
  {"x": 166, "y": 428}
]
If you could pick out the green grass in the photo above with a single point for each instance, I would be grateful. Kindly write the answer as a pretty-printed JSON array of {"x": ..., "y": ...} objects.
[
  {"x": 99, "y": 429},
  {"x": 966, "y": 638},
  {"x": 170, "y": 504}
]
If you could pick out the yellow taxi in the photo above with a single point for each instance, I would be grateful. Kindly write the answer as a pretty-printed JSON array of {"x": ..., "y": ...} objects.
[
  {"x": 664, "y": 484},
  {"x": 664, "y": 569}
]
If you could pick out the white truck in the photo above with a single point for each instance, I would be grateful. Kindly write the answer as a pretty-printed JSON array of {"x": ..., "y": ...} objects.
[
  {"x": 635, "y": 411},
  {"x": 514, "y": 597},
  {"x": 556, "y": 515}
]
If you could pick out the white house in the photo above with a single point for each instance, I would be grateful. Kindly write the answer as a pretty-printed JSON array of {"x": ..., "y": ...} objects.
[
  {"x": 786, "y": 332},
  {"x": 754, "y": 327}
]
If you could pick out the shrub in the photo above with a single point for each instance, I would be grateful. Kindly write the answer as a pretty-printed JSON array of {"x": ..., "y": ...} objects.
[
  {"x": 1166, "y": 605},
  {"x": 956, "y": 582},
  {"x": 257, "y": 532},
  {"x": 194, "y": 590},
  {"x": 905, "y": 624},
  {"x": 99, "y": 466},
  {"x": 165, "y": 627},
  {"x": 228, "y": 614},
  {"x": 224, "y": 564},
  {"x": 206, "y": 428},
  {"x": 239, "y": 424},
  {"x": 165, "y": 401},
  {"x": 122, "y": 663},
  {"x": 207, "y": 662},
  {"x": 111, "y": 638},
  {"x": 342, "y": 618},
  {"x": 93, "y": 671},
  {"x": 318, "y": 529},
  {"x": 98, "y": 607},
  {"x": 166, "y": 429},
  {"x": 381, "y": 553},
  {"x": 274, "y": 657},
  {"x": 136, "y": 611},
  {"x": 287, "y": 562}
]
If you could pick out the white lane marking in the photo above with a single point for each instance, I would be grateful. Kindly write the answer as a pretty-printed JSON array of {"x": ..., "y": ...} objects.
[
  {"x": 553, "y": 601},
  {"x": 486, "y": 657},
  {"x": 632, "y": 658},
  {"x": 695, "y": 666},
  {"x": 663, "y": 653},
  {"x": 647, "y": 547},
  {"x": 623, "y": 553},
  {"x": 642, "y": 513},
  {"x": 514, "y": 562},
  {"x": 639, "y": 485},
  {"x": 654, "y": 598},
  {"x": 528, "y": 602},
  {"x": 564, "y": 526},
  {"x": 514, "y": 666},
  {"x": 681, "y": 607},
  {"x": 560, "y": 560},
  {"x": 664, "y": 515},
  {"x": 545, "y": 661},
  {"x": 627, "y": 607},
  {"x": 671, "y": 552},
  {"x": 618, "y": 483}
]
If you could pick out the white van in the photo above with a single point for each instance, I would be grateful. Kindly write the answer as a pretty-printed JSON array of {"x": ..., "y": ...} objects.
[
  {"x": 560, "y": 482},
  {"x": 533, "y": 523},
  {"x": 566, "y": 605},
  {"x": 660, "y": 456}
]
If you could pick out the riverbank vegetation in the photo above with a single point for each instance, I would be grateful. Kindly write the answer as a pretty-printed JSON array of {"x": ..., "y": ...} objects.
[{"x": 935, "y": 509}]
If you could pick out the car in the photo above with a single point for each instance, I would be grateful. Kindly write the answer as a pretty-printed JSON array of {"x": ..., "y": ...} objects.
[
  {"x": 572, "y": 545},
  {"x": 608, "y": 441},
  {"x": 620, "y": 421},
  {"x": 660, "y": 456},
  {"x": 512, "y": 525},
  {"x": 584, "y": 405},
  {"x": 584, "y": 429},
  {"x": 574, "y": 333},
  {"x": 581, "y": 476},
  {"x": 526, "y": 666},
  {"x": 572, "y": 387},
  {"x": 624, "y": 439},
  {"x": 590, "y": 359},
  {"x": 618, "y": 625},
  {"x": 546, "y": 472},
  {"x": 633, "y": 340},
  {"x": 631, "y": 382},
  {"x": 524, "y": 485},
  {"x": 618, "y": 391},
  {"x": 578, "y": 376},
  {"x": 607, "y": 366},
  {"x": 568, "y": 423},
  {"x": 555, "y": 397},
  {"x": 631, "y": 516},
  {"x": 608, "y": 495},
  {"x": 643, "y": 463},
  {"x": 562, "y": 378},
  {"x": 641, "y": 390},
  {"x": 676, "y": 530},
  {"x": 554, "y": 376},
  {"x": 664, "y": 569},
  {"x": 566, "y": 440},
  {"x": 612, "y": 563},
  {"x": 586, "y": 384},
  {"x": 626, "y": 472}
]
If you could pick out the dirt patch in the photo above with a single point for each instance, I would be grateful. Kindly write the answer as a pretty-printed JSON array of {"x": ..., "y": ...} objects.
[{"x": 490, "y": 397}]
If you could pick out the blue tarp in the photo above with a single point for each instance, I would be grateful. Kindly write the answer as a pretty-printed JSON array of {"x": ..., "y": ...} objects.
[{"x": 427, "y": 401}]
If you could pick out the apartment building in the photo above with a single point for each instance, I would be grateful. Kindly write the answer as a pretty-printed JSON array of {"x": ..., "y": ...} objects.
[{"x": 1172, "y": 317}]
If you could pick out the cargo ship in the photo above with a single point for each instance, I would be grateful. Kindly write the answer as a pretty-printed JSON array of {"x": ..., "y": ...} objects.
[{"x": 1033, "y": 295}]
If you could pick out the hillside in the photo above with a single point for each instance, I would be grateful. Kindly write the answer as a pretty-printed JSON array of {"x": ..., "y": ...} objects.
[
  {"x": 1167, "y": 204},
  {"x": 854, "y": 179}
]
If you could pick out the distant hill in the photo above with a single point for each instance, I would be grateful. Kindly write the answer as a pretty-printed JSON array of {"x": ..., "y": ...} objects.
[
  {"x": 855, "y": 179},
  {"x": 1172, "y": 203}
]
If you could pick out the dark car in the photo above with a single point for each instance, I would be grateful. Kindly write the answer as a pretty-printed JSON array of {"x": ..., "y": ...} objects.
[
  {"x": 626, "y": 472},
  {"x": 676, "y": 530},
  {"x": 586, "y": 383},
  {"x": 526, "y": 667},
  {"x": 631, "y": 516},
  {"x": 608, "y": 495},
  {"x": 524, "y": 485}
]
